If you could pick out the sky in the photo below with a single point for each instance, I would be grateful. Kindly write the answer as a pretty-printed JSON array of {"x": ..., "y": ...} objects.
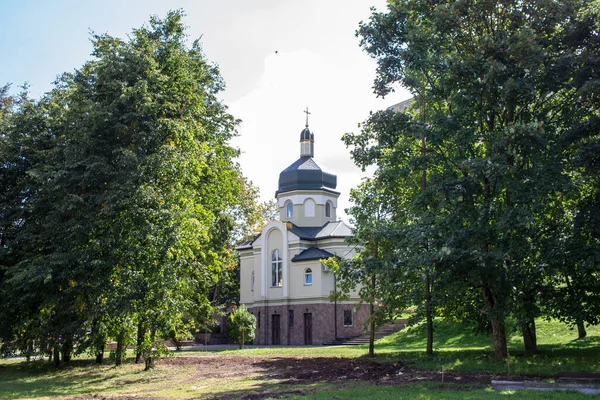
[{"x": 277, "y": 57}]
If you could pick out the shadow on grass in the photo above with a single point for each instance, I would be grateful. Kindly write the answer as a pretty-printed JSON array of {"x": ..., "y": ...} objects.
[
  {"x": 40, "y": 378},
  {"x": 255, "y": 375}
]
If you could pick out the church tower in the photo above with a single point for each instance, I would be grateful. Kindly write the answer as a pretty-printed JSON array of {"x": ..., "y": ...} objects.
[{"x": 306, "y": 195}]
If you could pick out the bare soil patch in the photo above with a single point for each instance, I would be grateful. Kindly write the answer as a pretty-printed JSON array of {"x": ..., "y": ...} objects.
[
  {"x": 292, "y": 370},
  {"x": 301, "y": 370}
]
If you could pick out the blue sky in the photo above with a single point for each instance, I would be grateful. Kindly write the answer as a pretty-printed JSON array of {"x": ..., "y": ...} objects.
[{"x": 318, "y": 64}]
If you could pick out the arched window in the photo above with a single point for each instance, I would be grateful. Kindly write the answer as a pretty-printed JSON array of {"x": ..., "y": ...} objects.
[
  {"x": 308, "y": 276},
  {"x": 276, "y": 275},
  {"x": 328, "y": 210},
  {"x": 252, "y": 281},
  {"x": 289, "y": 209},
  {"x": 309, "y": 208}
]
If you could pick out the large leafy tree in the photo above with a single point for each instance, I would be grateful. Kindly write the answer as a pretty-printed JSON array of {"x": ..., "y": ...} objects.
[
  {"x": 399, "y": 247},
  {"x": 497, "y": 84},
  {"x": 134, "y": 204}
]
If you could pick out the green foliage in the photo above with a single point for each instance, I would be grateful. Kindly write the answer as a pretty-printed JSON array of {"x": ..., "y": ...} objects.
[
  {"x": 121, "y": 196},
  {"x": 480, "y": 179},
  {"x": 241, "y": 326}
]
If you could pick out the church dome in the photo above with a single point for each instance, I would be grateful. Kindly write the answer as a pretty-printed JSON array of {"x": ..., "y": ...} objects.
[
  {"x": 306, "y": 135},
  {"x": 305, "y": 174}
]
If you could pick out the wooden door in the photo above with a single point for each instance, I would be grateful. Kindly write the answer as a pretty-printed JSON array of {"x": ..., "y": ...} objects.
[
  {"x": 308, "y": 328},
  {"x": 275, "y": 329}
]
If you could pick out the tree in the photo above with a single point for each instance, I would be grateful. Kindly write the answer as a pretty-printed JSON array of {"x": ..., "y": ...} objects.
[
  {"x": 125, "y": 219},
  {"x": 495, "y": 83},
  {"x": 241, "y": 326}
]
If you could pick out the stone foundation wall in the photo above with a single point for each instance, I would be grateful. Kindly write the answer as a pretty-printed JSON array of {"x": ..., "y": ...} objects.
[{"x": 323, "y": 329}]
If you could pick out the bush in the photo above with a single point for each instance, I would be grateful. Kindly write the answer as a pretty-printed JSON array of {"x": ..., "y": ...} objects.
[{"x": 241, "y": 326}]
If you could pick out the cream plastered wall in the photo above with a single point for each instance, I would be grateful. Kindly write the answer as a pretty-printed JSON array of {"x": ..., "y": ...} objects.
[
  {"x": 246, "y": 268},
  {"x": 301, "y": 217},
  {"x": 297, "y": 287}
]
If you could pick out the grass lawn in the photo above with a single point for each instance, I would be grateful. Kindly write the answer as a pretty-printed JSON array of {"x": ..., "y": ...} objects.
[{"x": 319, "y": 372}]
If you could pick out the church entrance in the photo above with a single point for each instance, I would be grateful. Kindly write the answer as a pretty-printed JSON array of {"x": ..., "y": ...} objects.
[
  {"x": 275, "y": 329},
  {"x": 308, "y": 328}
]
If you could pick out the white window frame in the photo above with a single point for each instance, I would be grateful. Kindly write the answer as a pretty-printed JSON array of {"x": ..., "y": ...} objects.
[
  {"x": 289, "y": 209},
  {"x": 308, "y": 272},
  {"x": 328, "y": 209},
  {"x": 276, "y": 269}
]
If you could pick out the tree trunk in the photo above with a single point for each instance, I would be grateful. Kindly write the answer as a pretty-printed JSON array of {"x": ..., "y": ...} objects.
[
  {"x": 177, "y": 342},
  {"x": 29, "y": 350},
  {"x": 241, "y": 338},
  {"x": 56, "y": 355},
  {"x": 581, "y": 329},
  {"x": 495, "y": 315},
  {"x": 499, "y": 333},
  {"x": 529, "y": 337},
  {"x": 121, "y": 348},
  {"x": 149, "y": 358},
  {"x": 372, "y": 311},
  {"x": 149, "y": 362},
  {"x": 428, "y": 316},
  {"x": 141, "y": 332},
  {"x": 67, "y": 349},
  {"x": 100, "y": 356}
]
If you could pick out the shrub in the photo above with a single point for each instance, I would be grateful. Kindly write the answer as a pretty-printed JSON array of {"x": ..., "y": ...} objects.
[{"x": 241, "y": 326}]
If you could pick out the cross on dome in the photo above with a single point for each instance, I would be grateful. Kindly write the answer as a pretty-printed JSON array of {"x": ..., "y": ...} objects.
[
  {"x": 307, "y": 140},
  {"x": 307, "y": 113}
]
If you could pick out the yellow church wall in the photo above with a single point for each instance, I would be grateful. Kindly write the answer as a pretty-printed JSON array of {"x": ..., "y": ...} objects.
[
  {"x": 300, "y": 290},
  {"x": 246, "y": 268},
  {"x": 304, "y": 217}
]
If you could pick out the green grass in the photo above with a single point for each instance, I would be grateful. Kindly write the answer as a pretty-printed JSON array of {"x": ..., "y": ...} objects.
[
  {"x": 427, "y": 391},
  {"x": 456, "y": 348}
]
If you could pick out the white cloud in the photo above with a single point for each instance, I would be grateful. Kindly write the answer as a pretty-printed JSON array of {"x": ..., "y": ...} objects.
[{"x": 338, "y": 95}]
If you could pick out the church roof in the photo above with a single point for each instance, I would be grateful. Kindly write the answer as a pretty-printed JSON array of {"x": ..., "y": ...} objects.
[
  {"x": 337, "y": 229},
  {"x": 305, "y": 174},
  {"x": 312, "y": 253}
]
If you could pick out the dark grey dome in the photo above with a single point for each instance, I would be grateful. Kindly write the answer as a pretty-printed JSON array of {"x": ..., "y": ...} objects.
[
  {"x": 305, "y": 174},
  {"x": 306, "y": 135}
]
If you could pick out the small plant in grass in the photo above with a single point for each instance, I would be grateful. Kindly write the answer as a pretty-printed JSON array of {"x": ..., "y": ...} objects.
[{"x": 241, "y": 325}]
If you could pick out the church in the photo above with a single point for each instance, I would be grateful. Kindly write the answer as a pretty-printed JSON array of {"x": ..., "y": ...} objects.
[{"x": 282, "y": 280}]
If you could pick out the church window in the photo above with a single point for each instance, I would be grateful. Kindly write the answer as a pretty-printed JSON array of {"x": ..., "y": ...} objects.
[
  {"x": 347, "y": 317},
  {"x": 289, "y": 209},
  {"x": 309, "y": 208},
  {"x": 252, "y": 281},
  {"x": 308, "y": 276},
  {"x": 276, "y": 275},
  {"x": 328, "y": 210}
]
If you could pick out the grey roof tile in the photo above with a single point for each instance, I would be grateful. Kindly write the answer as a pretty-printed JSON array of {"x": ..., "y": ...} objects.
[{"x": 312, "y": 253}]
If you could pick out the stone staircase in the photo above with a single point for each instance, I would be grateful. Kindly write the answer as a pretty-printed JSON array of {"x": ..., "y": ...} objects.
[{"x": 386, "y": 329}]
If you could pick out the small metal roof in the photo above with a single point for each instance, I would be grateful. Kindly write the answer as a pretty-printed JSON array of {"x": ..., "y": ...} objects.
[
  {"x": 306, "y": 135},
  {"x": 312, "y": 253}
]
